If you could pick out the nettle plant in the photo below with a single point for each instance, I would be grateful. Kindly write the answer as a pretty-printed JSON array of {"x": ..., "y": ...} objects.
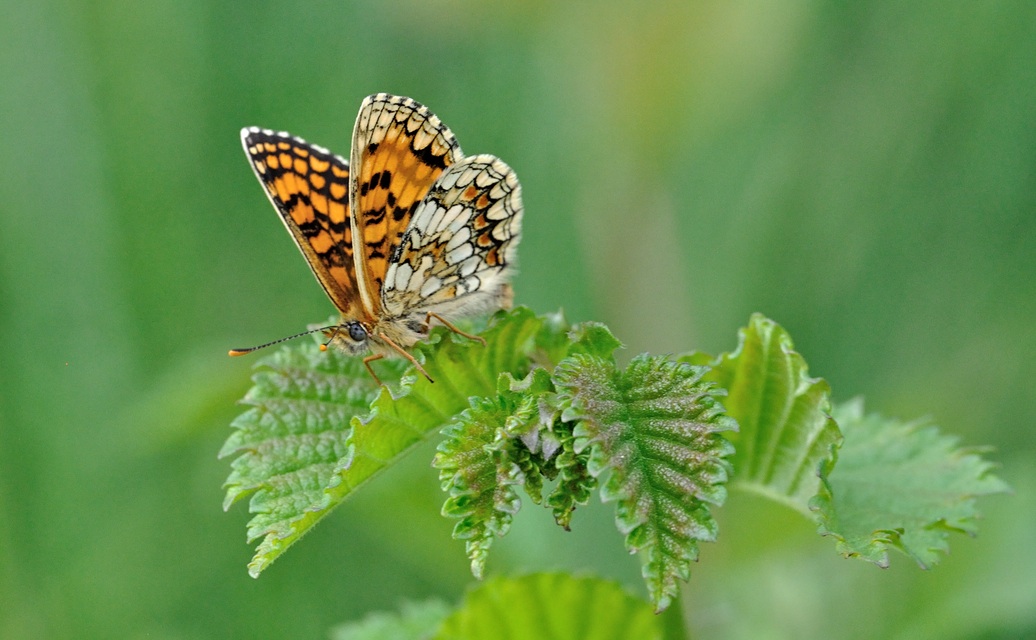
[{"x": 544, "y": 409}]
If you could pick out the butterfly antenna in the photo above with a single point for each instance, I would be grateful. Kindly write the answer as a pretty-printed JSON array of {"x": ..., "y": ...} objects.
[
  {"x": 334, "y": 333},
  {"x": 241, "y": 352}
]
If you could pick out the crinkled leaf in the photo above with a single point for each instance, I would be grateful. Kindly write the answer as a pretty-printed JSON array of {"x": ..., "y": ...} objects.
[
  {"x": 415, "y": 621},
  {"x": 538, "y": 409},
  {"x": 525, "y": 395},
  {"x": 575, "y": 482},
  {"x": 528, "y": 423},
  {"x": 785, "y": 428},
  {"x": 551, "y": 606},
  {"x": 478, "y": 471},
  {"x": 490, "y": 449},
  {"x": 652, "y": 431},
  {"x": 549, "y": 444},
  {"x": 313, "y": 435},
  {"x": 901, "y": 485}
]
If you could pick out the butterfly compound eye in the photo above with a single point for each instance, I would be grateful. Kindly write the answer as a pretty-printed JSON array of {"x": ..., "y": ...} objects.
[{"x": 357, "y": 332}]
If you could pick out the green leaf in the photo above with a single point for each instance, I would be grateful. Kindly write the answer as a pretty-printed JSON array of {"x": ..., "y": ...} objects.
[
  {"x": 313, "y": 434},
  {"x": 478, "y": 470},
  {"x": 547, "y": 446},
  {"x": 551, "y": 343},
  {"x": 653, "y": 432},
  {"x": 532, "y": 425},
  {"x": 896, "y": 484},
  {"x": 490, "y": 449},
  {"x": 415, "y": 621},
  {"x": 551, "y": 606},
  {"x": 900, "y": 485},
  {"x": 575, "y": 482},
  {"x": 785, "y": 428},
  {"x": 594, "y": 339},
  {"x": 295, "y": 432}
]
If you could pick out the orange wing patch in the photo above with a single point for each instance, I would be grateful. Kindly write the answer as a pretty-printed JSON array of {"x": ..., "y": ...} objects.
[
  {"x": 399, "y": 149},
  {"x": 308, "y": 186}
]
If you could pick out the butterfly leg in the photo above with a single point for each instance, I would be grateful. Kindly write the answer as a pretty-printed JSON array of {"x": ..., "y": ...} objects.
[
  {"x": 451, "y": 327},
  {"x": 367, "y": 363},
  {"x": 403, "y": 353}
]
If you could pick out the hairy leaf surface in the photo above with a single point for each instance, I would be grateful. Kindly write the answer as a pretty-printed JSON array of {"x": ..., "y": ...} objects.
[{"x": 652, "y": 432}]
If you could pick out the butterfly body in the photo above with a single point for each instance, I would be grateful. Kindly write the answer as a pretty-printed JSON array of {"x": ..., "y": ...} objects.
[{"x": 409, "y": 230}]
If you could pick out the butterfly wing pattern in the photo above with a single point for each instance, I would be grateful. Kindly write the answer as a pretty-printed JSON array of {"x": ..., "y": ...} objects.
[
  {"x": 308, "y": 185},
  {"x": 400, "y": 149},
  {"x": 459, "y": 249},
  {"x": 417, "y": 230}
]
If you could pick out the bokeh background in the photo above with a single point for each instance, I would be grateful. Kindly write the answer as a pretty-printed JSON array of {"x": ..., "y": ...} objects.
[{"x": 864, "y": 173}]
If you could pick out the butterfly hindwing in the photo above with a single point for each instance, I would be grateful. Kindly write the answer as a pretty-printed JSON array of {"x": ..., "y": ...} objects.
[
  {"x": 460, "y": 249},
  {"x": 309, "y": 187},
  {"x": 399, "y": 149}
]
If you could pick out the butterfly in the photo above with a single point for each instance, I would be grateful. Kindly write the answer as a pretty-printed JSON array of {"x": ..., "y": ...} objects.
[{"x": 408, "y": 230}]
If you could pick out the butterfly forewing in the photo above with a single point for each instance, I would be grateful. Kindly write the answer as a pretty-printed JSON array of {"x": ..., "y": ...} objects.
[
  {"x": 399, "y": 149},
  {"x": 309, "y": 187},
  {"x": 457, "y": 255}
]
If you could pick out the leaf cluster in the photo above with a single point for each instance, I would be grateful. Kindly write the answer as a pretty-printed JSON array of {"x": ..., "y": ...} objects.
[{"x": 543, "y": 409}]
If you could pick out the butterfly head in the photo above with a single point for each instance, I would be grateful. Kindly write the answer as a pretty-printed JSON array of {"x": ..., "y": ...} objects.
[{"x": 352, "y": 336}]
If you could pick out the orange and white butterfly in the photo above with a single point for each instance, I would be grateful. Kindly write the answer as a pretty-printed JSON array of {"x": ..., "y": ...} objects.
[{"x": 415, "y": 230}]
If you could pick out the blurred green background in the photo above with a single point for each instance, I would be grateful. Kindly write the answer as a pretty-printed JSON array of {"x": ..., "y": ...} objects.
[{"x": 864, "y": 173}]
